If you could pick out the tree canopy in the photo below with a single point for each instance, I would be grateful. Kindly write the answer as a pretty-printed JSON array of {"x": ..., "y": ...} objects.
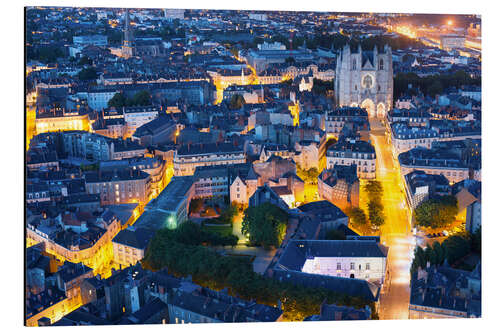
[
  {"x": 237, "y": 101},
  {"x": 180, "y": 251},
  {"x": 437, "y": 212},
  {"x": 321, "y": 87},
  {"x": 44, "y": 54},
  {"x": 376, "y": 215},
  {"x": 357, "y": 216},
  {"x": 88, "y": 73},
  {"x": 309, "y": 176},
  {"x": 119, "y": 100},
  {"x": 431, "y": 85},
  {"x": 453, "y": 249},
  {"x": 265, "y": 225}
]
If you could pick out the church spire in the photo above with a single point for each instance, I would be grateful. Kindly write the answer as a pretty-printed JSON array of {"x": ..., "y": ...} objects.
[{"x": 128, "y": 38}]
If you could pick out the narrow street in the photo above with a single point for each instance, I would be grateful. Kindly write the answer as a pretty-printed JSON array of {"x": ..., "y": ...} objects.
[{"x": 396, "y": 233}]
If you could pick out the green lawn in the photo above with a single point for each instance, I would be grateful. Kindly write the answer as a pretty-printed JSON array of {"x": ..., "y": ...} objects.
[{"x": 223, "y": 230}]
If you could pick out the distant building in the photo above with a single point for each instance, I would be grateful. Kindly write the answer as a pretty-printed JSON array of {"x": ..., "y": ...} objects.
[
  {"x": 353, "y": 152},
  {"x": 270, "y": 46},
  {"x": 261, "y": 59},
  {"x": 64, "y": 120},
  {"x": 170, "y": 208},
  {"x": 450, "y": 160},
  {"x": 340, "y": 186},
  {"x": 330, "y": 312},
  {"x": 266, "y": 194},
  {"x": 202, "y": 305},
  {"x": 157, "y": 131},
  {"x": 421, "y": 186},
  {"x": 129, "y": 245},
  {"x": 345, "y": 267},
  {"x": 136, "y": 116},
  {"x": 468, "y": 194},
  {"x": 190, "y": 156},
  {"x": 215, "y": 180},
  {"x": 451, "y": 42},
  {"x": 444, "y": 292},
  {"x": 97, "y": 40},
  {"x": 330, "y": 216},
  {"x": 365, "y": 260},
  {"x": 336, "y": 119},
  {"x": 173, "y": 13},
  {"x": 119, "y": 186}
]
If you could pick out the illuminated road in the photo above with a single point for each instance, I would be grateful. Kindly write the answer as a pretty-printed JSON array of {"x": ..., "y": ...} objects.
[{"x": 396, "y": 233}]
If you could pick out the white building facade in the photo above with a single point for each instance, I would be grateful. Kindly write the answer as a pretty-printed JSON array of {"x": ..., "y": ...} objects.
[{"x": 365, "y": 79}]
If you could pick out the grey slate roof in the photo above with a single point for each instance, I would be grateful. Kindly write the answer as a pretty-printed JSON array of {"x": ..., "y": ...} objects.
[
  {"x": 138, "y": 239},
  {"x": 346, "y": 286},
  {"x": 323, "y": 210}
]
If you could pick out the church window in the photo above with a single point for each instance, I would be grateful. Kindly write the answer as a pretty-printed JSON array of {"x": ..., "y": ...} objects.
[
  {"x": 381, "y": 64},
  {"x": 354, "y": 64}
]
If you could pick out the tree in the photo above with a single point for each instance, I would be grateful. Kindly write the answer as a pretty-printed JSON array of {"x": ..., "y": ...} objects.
[
  {"x": 237, "y": 101},
  {"x": 457, "y": 247},
  {"x": 85, "y": 61},
  {"x": 117, "y": 101},
  {"x": 265, "y": 225},
  {"x": 438, "y": 254},
  {"x": 142, "y": 97},
  {"x": 89, "y": 73},
  {"x": 420, "y": 259},
  {"x": 46, "y": 54},
  {"x": 320, "y": 87},
  {"x": 310, "y": 176},
  {"x": 227, "y": 215},
  {"x": 436, "y": 212},
  {"x": 374, "y": 189},
  {"x": 436, "y": 88},
  {"x": 375, "y": 214},
  {"x": 357, "y": 216},
  {"x": 476, "y": 241}
]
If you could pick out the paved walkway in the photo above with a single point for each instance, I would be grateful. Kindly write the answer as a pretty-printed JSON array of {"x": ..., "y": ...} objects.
[{"x": 262, "y": 256}]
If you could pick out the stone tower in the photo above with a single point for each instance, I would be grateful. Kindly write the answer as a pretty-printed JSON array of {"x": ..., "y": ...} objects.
[
  {"x": 128, "y": 48},
  {"x": 365, "y": 79}
]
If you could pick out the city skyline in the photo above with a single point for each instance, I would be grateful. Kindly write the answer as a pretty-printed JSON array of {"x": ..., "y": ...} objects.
[{"x": 324, "y": 150}]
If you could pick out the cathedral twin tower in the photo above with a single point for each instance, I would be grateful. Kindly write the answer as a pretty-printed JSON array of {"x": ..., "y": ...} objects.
[{"x": 365, "y": 79}]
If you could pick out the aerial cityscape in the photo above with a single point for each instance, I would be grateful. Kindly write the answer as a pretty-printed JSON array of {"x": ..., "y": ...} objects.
[{"x": 228, "y": 166}]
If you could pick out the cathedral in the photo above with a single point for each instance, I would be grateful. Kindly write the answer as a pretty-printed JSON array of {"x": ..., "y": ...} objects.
[{"x": 365, "y": 79}]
